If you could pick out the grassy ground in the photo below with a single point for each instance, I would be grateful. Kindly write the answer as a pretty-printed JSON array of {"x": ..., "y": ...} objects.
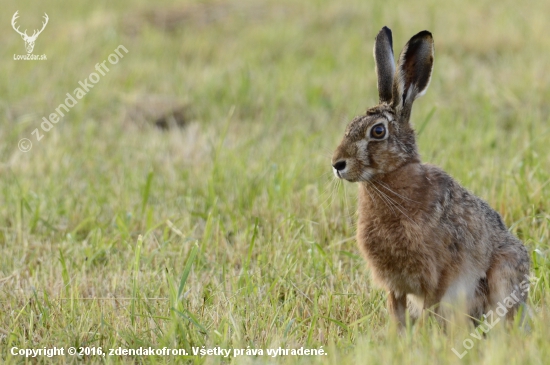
[{"x": 231, "y": 231}]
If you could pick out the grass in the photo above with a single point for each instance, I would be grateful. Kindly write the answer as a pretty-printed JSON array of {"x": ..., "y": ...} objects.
[{"x": 230, "y": 231}]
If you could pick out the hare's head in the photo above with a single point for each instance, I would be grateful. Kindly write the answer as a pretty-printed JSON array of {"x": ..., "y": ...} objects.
[{"x": 383, "y": 140}]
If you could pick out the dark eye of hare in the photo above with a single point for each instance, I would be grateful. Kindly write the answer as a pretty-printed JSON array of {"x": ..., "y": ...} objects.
[{"x": 378, "y": 131}]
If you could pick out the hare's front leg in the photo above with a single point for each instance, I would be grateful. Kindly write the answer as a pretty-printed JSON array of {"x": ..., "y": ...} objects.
[{"x": 397, "y": 306}]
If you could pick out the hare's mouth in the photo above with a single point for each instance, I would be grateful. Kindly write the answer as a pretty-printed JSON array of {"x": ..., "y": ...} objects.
[
  {"x": 341, "y": 169},
  {"x": 346, "y": 175},
  {"x": 337, "y": 173},
  {"x": 349, "y": 174}
]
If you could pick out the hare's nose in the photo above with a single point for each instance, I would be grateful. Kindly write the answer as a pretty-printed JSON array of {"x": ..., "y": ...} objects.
[{"x": 339, "y": 165}]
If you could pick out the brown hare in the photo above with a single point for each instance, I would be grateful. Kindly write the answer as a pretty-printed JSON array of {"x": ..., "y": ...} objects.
[{"x": 426, "y": 239}]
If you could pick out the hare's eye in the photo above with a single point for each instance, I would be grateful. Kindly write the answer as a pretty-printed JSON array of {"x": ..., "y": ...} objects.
[{"x": 378, "y": 131}]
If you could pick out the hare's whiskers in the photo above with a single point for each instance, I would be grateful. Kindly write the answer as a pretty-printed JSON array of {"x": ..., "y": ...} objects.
[
  {"x": 383, "y": 198},
  {"x": 393, "y": 191},
  {"x": 397, "y": 205}
]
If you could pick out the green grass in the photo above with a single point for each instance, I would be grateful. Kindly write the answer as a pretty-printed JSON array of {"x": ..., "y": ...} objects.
[{"x": 231, "y": 231}]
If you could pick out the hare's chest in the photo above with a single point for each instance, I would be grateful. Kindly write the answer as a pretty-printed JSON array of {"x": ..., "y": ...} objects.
[{"x": 396, "y": 259}]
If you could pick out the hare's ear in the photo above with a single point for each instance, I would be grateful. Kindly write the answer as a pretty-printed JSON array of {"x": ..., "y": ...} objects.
[
  {"x": 414, "y": 71},
  {"x": 385, "y": 64}
]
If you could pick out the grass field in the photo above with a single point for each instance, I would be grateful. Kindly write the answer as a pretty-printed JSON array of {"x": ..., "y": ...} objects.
[{"x": 230, "y": 229}]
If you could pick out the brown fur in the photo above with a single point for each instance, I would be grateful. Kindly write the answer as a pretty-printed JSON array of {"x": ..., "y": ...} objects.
[{"x": 424, "y": 237}]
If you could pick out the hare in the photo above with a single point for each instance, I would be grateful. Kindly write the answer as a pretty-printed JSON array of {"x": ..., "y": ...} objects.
[{"x": 427, "y": 240}]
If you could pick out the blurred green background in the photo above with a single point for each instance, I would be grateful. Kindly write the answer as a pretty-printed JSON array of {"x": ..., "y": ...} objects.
[{"x": 188, "y": 198}]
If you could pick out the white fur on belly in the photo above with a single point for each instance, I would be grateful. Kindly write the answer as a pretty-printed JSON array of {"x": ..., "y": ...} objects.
[{"x": 462, "y": 291}]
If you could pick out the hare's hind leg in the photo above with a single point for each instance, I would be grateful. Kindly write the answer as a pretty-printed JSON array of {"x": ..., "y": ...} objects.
[
  {"x": 479, "y": 304},
  {"x": 508, "y": 279}
]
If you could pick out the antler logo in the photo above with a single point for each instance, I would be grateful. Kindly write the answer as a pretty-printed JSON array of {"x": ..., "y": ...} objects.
[{"x": 29, "y": 41}]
